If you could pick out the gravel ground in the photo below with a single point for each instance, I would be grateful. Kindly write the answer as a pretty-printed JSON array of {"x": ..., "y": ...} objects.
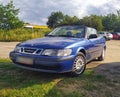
[{"x": 5, "y": 48}]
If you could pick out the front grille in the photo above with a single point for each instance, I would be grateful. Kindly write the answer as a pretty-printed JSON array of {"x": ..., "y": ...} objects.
[{"x": 27, "y": 50}]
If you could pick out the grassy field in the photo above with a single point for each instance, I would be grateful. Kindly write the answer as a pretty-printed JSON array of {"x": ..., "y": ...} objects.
[
  {"x": 16, "y": 82},
  {"x": 22, "y": 34}
]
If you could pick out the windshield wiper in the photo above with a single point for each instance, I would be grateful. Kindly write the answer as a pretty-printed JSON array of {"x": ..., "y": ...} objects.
[
  {"x": 50, "y": 35},
  {"x": 59, "y": 35},
  {"x": 65, "y": 36}
]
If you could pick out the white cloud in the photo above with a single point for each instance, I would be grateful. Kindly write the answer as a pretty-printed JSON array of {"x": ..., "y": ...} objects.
[{"x": 37, "y": 11}]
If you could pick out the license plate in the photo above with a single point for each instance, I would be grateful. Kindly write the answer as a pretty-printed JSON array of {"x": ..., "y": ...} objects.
[{"x": 24, "y": 60}]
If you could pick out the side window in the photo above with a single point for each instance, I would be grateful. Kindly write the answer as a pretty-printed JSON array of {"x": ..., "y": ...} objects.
[
  {"x": 91, "y": 31},
  {"x": 88, "y": 32}
]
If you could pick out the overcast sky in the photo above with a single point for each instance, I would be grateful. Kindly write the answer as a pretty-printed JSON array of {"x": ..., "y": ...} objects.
[{"x": 37, "y": 11}]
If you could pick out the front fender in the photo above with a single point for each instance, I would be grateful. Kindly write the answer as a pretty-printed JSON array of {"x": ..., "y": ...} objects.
[{"x": 82, "y": 49}]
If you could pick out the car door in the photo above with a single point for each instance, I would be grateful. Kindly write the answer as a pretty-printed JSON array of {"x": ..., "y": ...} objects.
[{"x": 94, "y": 43}]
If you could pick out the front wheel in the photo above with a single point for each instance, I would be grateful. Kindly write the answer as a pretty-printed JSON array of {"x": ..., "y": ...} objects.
[{"x": 79, "y": 64}]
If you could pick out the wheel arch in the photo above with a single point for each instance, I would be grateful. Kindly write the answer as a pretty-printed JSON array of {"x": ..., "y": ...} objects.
[{"x": 82, "y": 50}]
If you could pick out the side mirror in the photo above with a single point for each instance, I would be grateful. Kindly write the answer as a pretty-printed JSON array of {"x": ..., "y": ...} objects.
[{"x": 92, "y": 36}]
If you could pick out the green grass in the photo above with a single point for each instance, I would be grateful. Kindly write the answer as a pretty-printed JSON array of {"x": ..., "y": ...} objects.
[
  {"x": 22, "y": 34},
  {"x": 16, "y": 82}
]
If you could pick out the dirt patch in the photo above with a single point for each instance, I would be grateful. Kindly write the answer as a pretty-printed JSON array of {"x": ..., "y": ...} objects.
[
  {"x": 5, "y": 48},
  {"x": 110, "y": 70}
]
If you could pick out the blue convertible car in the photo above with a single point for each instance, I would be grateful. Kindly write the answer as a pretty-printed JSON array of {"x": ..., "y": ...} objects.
[{"x": 65, "y": 49}]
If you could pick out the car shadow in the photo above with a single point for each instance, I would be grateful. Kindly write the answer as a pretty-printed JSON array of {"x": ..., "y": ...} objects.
[{"x": 15, "y": 77}]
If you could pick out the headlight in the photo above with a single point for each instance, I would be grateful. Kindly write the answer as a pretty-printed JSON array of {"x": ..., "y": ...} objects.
[
  {"x": 64, "y": 52},
  {"x": 17, "y": 49},
  {"x": 54, "y": 52}
]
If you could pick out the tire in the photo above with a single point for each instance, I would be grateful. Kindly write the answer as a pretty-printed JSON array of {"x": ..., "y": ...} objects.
[
  {"x": 102, "y": 56},
  {"x": 79, "y": 65}
]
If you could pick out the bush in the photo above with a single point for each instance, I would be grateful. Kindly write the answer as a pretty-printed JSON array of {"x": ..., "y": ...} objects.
[{"x": 22, "y": 34}]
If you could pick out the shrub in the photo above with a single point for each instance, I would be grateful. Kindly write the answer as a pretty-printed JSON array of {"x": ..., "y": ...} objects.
[{"x": 22, "y": 34}]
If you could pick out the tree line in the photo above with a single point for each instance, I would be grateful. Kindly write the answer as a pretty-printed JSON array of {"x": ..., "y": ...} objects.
[{"x": 109, "y": 22}]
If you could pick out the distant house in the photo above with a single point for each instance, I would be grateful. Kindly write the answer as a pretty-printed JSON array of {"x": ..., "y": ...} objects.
[{"x": 36, "y": 26}]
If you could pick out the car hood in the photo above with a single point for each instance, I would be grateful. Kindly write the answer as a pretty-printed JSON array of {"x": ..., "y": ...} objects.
[{"x": 51, "y": 42}]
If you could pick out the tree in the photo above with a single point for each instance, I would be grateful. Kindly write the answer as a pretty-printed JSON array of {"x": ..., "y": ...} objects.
[
  {"x": 8, "y": 17},
  {"x": 109, "y": 21},
  {"x": 68, "y": 20},
  {"x": 92, "y": 21},
  {"x": 117, "y": 26},
  {"x": 54, "y": 19}
]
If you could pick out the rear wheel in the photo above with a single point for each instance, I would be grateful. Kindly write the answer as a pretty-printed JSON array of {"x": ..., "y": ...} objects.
[
  {"x": 102, "y": 57},
  {"x": 79, "y": 64}
]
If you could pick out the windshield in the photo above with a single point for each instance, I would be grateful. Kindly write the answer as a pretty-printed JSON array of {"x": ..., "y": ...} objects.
[{"x": 68, "y": 31}]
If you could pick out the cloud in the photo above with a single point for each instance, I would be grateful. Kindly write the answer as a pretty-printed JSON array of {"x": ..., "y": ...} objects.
[
  {"x": 37, "y": 11},
  {"x": 103, "y": 9}
]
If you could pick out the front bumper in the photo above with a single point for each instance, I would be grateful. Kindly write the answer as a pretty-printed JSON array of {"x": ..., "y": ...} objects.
[{"x": 44, "y": 63}]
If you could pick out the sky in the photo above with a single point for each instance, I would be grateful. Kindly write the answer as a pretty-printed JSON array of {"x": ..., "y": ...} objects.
[{"x": 37, "y": 11}]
